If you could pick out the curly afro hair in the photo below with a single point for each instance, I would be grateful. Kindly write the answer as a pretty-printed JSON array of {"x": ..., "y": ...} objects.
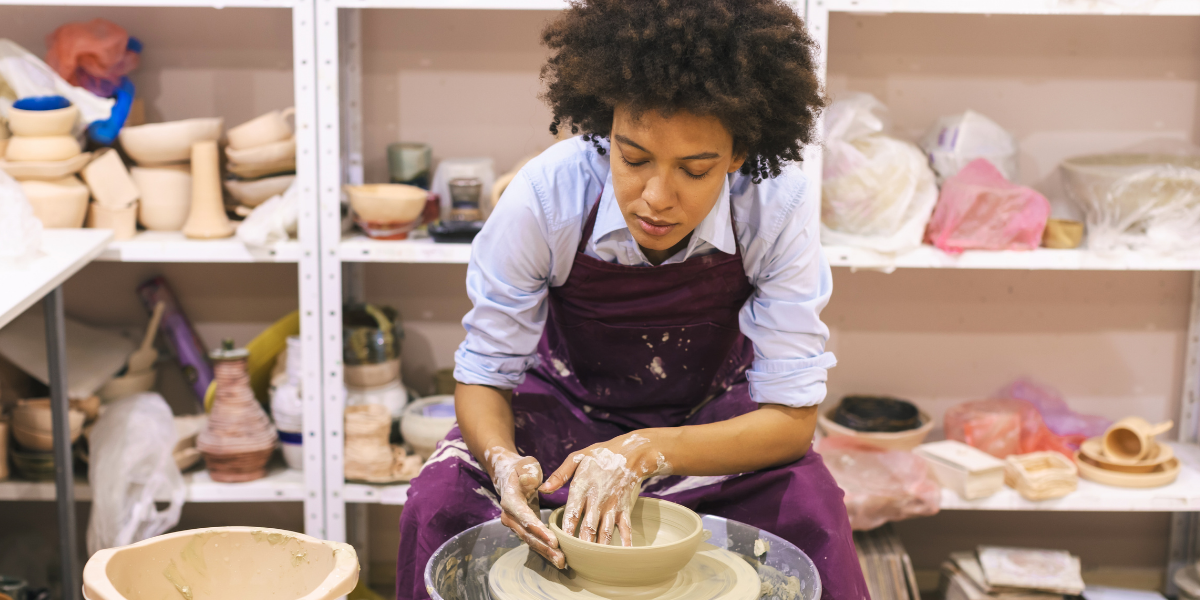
[{"x": 749, "y": 63}]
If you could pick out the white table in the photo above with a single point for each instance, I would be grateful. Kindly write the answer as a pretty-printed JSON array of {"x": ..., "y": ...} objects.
[{"x": 64, "y": 253}]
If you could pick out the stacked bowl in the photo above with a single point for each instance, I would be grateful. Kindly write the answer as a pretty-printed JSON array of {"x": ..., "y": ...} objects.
[
  {"x": 261, "y": 158},
  {"x": 1128, "y": 455},
  {"x": 33, "y": 431},
  {"x": 163, "y": 174},
  {"x": 44, "y": 156}
]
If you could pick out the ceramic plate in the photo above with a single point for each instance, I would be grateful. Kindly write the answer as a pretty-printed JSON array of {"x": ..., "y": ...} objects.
[
  {"x": 46, "y": 171},
  {"x": 1093, "y": 449},
  {"x": 1162, "y": 475}
]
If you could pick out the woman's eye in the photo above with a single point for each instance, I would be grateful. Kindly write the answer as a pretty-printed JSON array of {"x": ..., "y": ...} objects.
[
  {"x": 631, "y": 163},
  {"x": 694, "y": 176}
]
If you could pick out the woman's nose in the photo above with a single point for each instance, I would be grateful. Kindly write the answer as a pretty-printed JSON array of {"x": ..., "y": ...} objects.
[{"x": 658, "y": 194}]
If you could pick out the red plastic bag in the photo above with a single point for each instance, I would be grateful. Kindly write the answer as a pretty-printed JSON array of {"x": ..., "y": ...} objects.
[
  {"x": 1002, "y": 428},
  {"x": 979, "y": 209},
  {"x": 1074, "y": 427},
  {"x": 93, "y": 55},
  {"x": 880, "y": 485}
]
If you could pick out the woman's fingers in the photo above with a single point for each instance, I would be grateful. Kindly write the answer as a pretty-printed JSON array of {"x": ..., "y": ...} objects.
[
  {"x": 607, "y": 524},
  {"x": 555, "y": 556},
  {"x": 562, "y": 474},
  {"x": 576, "y": 504},
  {"x": 591, "y": 521},
  {"x": 626, "y": 529}
]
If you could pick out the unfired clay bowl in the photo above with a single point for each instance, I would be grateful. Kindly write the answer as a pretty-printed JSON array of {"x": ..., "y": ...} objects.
[
  {"x": 37, "y": 123},
  {"x": 372, "y": 375},
  {"x": 223, "y": 563},
  {"x": 59, "y": 204},
  {"x": 45, "y": 170},
  {"x": 263, "y": 129},
  {"x": 253, "y": 193},
  {"x": 423, "y": 432},
  {"x": 41, "y": 149},
  {"x": 165, "y": 143},
  {"x": 265, "y": 154},
  {"x": 33, "y": 427},
  {"x": 665, "y": 537},
  {"x": 166, "y": 196},
  {"x": 257, "y": 170},
  {"x": 387, "y": 202}
]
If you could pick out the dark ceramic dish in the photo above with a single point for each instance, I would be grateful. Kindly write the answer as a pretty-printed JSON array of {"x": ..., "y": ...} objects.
[{"x": 876, "y": 414}]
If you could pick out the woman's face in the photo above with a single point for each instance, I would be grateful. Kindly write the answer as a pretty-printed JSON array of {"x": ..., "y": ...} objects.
[{"x": 667, "y": 173}]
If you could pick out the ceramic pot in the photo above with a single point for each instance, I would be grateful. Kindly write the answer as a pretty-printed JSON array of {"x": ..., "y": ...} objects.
[
  {"x": 166, "y": 196},
  {"x": 387, "y": 202},
  {"x": 122, "y": 221},
  {"x": 264, "y": 154},
  {"x": 1129, "y": 440},
  {"x": 59, "y": 204},
  {"x": 206, "y": 219},
  {"x": 665, "y": 537},
  {"x": 372, "y": 375},
  {"x": 261, "y": 130},
  {"x": 426, "y": 422},
  {"x": 898, "y": 440},
  {"x": 369, "y": 457},
  {"x": 271, "y": 564},
  {"x": 255, "y": 192},
  {"x": 41, "y": 149},
  {"x": 165, "y": 143},
  {"x": 46, "y": 170},
  {"x": 40, "y": 123},
  {"x": 109, "y": 180},
  {"x": 239, "y": 438},
  {"x": 260, "y": 170},
  {"x": 876, "y": 414},
  {"x": 33, "y": 427}
]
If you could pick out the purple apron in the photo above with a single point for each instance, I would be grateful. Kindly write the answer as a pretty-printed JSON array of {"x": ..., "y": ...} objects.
[{"x": 627, "y": 348}]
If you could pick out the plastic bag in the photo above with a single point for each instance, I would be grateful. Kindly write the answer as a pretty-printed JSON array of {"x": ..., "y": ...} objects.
[
  {"x": 1002, "y": 428},
  {"x": 880, "y": 485},
  {"x": 956, "y": 141},
  {"x": 980, "y": 210},
  {"x": 94, "y": 55},
  {"x": 1073, "y": 427},
  {"x": 24, "y": 74},
  {"x": 272, "y": 221},
  {"x": 877, "y": 191},
  {"x": 131, "y": 464},
  {"x": 20, "y": 230}
]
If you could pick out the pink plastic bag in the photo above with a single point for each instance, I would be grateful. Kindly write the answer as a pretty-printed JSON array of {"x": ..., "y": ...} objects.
[
  {"x": 880, "y": 485},
  {"x": 1073, "y": 427},
  {"x": 1002, "y": 428},
  {"x": 92, "y": 55},
  {"x": 979, "y": 209}
]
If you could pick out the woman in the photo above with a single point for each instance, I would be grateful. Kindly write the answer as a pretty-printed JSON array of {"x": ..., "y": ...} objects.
[{"x": 647, "y": 297}]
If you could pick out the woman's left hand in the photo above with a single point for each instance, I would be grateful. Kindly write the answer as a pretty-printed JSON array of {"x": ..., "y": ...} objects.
[{"x": 608, "y": 478}]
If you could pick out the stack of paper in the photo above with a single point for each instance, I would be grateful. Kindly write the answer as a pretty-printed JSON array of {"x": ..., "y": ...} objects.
[
  {"x": 969, "y": 471},
  {"x": 885, "y": 564},
  {"x": 996, "y": 573}
]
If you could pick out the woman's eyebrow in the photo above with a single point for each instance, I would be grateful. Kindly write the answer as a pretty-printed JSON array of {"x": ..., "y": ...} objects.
[{"x": 702, "y": 156}]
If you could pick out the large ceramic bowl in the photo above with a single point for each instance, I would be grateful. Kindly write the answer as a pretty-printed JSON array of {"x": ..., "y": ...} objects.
[
  {"x": 45, "y": 170},
  {"x": 59, "y": 204},
  {"x": 387, "y": 202},
  {"x": 899, "y": 440},
  {"x": 41, "y": 149},
  {"x": 35, "y": 416},
  {"x": 39, "y": 123},
  {"x": 665, "y": 537},
  {"x": 165, "y": 143},
  {"x": 255, "y": 192},
  {"x": 166, "y": 196},
  {"x": 426, "y": 422},
  {"x": 265, "y": 564}
]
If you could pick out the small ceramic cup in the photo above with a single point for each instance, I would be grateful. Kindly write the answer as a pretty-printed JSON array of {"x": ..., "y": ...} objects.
[
  {"x": 122, "y": 221},
  {"x": 263, "y": 129},
  {"x": 1131, "y": 439}
]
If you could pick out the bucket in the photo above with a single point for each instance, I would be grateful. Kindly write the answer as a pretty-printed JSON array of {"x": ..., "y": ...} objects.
[{"x": 223, "y": 563}]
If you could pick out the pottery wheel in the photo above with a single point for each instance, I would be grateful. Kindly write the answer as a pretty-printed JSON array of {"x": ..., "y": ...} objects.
[{"x": 713, "y": 574}]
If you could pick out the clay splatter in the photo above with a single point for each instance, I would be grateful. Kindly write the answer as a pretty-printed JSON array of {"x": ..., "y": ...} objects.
[
  {"x": 761, "y": 547},
  {"x": 490, "y": 496},
  {"x": 666, "y": 336},
  {"x": 656, "y": 367},
  {"x": 181, "y": 586},
  {"x": 561, "y": 367}
]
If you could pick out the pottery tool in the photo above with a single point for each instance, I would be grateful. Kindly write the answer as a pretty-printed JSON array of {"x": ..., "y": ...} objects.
[
  {"x": 967, "y": 470},
  {"x": 143, "y": 358}
]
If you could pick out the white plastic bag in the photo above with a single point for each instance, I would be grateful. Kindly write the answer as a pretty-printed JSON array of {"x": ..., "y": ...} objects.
[
  {"x": 956, "y": 140},
  {"x": 272, "y": 221},
  {"x": 877, "y": 191},
  {"x": 20, "y": 230},
  {"x": 131, "y": 464},
  {"x": 26, "y": 75}
]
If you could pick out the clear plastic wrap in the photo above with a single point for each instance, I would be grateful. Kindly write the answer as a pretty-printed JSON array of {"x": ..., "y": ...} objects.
[
  {"x": 20, "y": 230},
  {"x": 981, "y": 210},
  {"x": 25, "y": 75},
  {"x": 877, "y": 191},
  {"x": 1073, "y": 427},
  {"x": 1002, "y": 428},
  {"x": 955, "y": 141},
  {"x": 880, "y": 485},
  {"x": 131, "y": 464}
]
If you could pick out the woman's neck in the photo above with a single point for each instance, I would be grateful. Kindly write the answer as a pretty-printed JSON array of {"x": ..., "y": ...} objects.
[{"x": 658, "y": 257}]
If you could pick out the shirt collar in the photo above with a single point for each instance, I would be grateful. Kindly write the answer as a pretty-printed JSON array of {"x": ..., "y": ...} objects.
[{"x": 716, "y": 228}]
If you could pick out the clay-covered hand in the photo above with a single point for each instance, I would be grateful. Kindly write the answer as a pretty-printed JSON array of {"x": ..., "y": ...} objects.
[
  {"x": 516, "y": 479},
  {"x": 607, "y": 480}
]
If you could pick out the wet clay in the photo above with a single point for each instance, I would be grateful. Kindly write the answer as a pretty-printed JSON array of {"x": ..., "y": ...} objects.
[{"x": 712, "y": 574}]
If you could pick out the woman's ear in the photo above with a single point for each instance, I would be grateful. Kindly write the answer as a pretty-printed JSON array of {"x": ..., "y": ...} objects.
[{"x": 739, "y": 157}]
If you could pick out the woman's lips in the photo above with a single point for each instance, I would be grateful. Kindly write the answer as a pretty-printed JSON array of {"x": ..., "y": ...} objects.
[{"x": 655, "y": 228}]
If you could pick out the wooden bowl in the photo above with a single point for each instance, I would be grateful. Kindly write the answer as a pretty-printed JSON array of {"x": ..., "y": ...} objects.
[
  {"x": 898, "y": 440},
  {"x": 665, "y": 538}
]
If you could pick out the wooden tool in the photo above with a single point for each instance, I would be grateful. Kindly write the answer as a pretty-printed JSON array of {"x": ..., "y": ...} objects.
[{"x": 143, "y": 358}]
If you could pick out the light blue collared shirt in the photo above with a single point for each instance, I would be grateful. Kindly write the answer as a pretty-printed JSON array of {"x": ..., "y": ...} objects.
[{"x": 529, "y": 242}]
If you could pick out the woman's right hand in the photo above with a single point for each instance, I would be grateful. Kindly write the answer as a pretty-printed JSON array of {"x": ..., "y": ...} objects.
[{"x": 517, "y": 479}]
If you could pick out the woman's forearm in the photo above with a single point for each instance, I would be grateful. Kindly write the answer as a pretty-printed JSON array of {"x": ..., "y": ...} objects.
[
  {"x": 485, "y": 419},
  {"x": 771, "y": 436}
]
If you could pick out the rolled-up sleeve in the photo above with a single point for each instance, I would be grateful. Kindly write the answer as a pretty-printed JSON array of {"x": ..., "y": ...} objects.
[
  {"x": 507, "y": 281},
  {"x": 783, "y": 316}
]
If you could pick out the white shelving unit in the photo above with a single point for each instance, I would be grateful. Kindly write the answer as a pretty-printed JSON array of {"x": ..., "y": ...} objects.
[
  {"x": 171, "y": 246},
  {"x": 280, "y": 485}
]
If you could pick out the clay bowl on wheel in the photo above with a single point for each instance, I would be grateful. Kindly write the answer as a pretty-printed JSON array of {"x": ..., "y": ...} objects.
[{"x": 665, "y": 537}]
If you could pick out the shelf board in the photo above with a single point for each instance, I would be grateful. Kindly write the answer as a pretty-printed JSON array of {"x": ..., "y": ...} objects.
[
  {"x": 280, "y": 485},
  {"x": 358, "y": 248},
  {"x": 1017, "y": 7},
  {"x": 457, "y": 4},
  {"x": 173, "y": 247},
  {"x": 64, "y": 252},
  {"x": 362, "y": 493}
]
